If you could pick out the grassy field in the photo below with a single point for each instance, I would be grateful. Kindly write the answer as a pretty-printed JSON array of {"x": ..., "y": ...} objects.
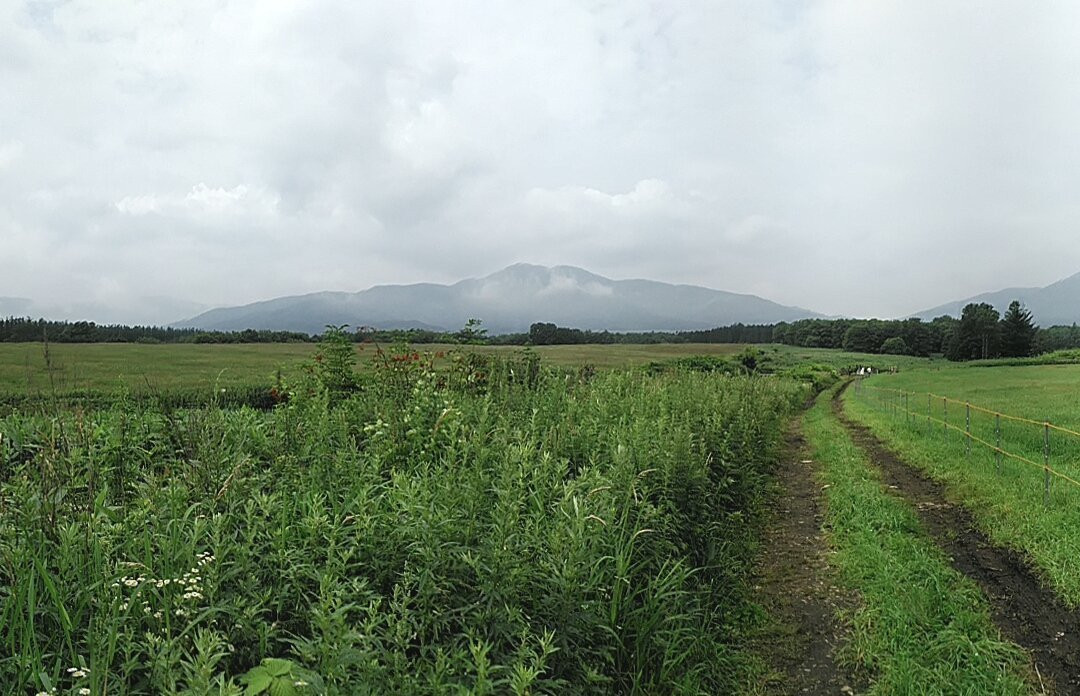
[
  {"x": 106, "y": 367},
  {"x": 1008, "y": 498},
  {"x": 920, "y": 627},
  {"x": 1039, "y": 392},
  {"x": 488, "y": 528}
]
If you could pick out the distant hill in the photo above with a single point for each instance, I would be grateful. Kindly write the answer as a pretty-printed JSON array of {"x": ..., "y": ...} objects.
[
  {"x": 509, "y": 301},
  {"x": 1055, "y": 304},
  {"x": 135, "y": 310}
]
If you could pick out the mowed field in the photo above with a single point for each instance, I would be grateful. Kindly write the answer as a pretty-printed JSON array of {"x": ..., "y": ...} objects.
[
  {"x": 1038, "y": 392},
  {"x": 1013, "y": 498},
  {"x": 109, "y": 366}
]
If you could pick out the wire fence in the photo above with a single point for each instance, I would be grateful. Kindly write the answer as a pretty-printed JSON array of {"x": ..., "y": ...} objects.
[{"x": 1042, "y": 445}]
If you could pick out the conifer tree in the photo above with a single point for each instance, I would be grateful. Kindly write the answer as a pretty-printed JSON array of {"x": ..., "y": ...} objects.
[{"x": 1017, "y": 331}]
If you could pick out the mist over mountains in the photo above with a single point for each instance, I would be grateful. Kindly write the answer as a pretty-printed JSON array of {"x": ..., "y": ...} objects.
[
  {"x": 132, "y": 311},
  {"x": 1053, "y": 305},
  {"x": 509, "y": 301}
]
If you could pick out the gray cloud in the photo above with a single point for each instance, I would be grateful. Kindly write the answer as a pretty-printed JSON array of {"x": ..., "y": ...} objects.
[{"x": 863, "y": 158}]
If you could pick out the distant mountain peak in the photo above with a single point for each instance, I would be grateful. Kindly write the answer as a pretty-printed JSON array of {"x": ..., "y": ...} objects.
[{"x": 509, "y": 301}]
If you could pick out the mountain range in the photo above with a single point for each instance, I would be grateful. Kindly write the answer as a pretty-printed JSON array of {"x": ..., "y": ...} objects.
[
  {"x": 509, "y": 301},
  {"x": 1055, "y": 304}
]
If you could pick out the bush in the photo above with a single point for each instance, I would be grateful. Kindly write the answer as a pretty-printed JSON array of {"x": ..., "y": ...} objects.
[{"x": 895, "y": 346}]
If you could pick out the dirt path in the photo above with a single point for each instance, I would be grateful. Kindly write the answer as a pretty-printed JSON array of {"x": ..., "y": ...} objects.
[
  {"x": 1025, "y": 611},
  {"x": 795, "y": 583}
]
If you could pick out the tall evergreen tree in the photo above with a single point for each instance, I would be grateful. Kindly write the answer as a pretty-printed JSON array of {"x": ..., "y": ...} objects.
[
  {"x": 977, "y": 334},
  {"x": 1017, "y": 331}
]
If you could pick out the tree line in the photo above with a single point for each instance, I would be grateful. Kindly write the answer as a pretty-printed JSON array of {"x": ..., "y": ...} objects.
[
  {"x": 17, "y": 330},
  {"x": 979, "y": 333}
]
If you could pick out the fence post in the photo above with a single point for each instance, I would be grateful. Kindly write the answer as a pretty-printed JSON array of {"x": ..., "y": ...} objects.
[
  {"x": 997, "y": 434},
  {"x": 944, "y": 418},
  {"x": 928, "y": 414},
  {"x": 1046, "y": 464},
  {"x": 967, "y": 430}
]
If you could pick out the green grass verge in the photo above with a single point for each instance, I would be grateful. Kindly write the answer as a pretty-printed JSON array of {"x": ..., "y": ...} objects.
[
  {"x": 921, "y": 627},
  {"x": 1008, "y": 505}
]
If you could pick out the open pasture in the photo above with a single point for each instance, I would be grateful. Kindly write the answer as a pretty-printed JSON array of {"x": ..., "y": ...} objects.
[
  {"x": 105, "y": 367},
  {"x": 1038, "y": 392},
  {"x": 1018, "y": 502}
]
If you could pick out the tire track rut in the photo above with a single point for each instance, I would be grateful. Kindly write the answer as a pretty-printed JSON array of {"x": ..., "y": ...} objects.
[
  {"x": 1023, "y": 608},
  {"x": 796, "y": 583}
]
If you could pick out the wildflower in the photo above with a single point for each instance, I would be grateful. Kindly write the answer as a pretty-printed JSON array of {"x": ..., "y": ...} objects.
[
  {"x": 299, "y": 682},
  {"x": 131, "y": 582},
  {"x": 84, "y": 691}
]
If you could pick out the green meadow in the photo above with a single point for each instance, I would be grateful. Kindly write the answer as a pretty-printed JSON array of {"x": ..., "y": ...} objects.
[
  {"x": 73, "y": 367},
  {"x": 1015, "y": 501}
]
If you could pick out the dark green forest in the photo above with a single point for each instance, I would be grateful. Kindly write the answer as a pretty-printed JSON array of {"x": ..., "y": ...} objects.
[{"x": 979, "y": 333}]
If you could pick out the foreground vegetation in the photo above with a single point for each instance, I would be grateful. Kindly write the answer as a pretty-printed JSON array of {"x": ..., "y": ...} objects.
[
  {"x": 920, "y": 626},
  {"x": 490, "y": 526}
]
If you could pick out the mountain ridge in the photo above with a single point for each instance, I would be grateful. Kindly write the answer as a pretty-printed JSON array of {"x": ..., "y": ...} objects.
[
  {"x": 1052, "y": 305},
  {"x": 509, "y": 301}
]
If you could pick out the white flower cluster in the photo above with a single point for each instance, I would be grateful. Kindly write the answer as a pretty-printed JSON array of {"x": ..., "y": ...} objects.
[
  {"x": 378, "y": 428},
  {"x": 187, "y": 585},
  {"x": 74, "y": 673}
]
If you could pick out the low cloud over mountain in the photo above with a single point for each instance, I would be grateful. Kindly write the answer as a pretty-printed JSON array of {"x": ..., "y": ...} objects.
[{"x": 509, "y": 301}]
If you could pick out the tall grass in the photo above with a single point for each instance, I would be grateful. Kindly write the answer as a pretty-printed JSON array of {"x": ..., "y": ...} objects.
[{"x": 496, "y": 527}]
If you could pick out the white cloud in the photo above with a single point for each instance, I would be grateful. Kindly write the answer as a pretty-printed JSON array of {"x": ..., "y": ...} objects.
[
  {"x": 138, "y": 205},
  {"x": 251, "y": 149},
  {"x": 203, "y": 200},
  {"x": 10, "y": 152}
]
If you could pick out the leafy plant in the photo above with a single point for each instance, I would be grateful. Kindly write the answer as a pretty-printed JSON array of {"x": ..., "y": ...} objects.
[{"x": 274, "y": 676}]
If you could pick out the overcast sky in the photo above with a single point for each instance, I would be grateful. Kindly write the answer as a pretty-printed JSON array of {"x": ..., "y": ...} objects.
[{"x": 861, "y": 158}]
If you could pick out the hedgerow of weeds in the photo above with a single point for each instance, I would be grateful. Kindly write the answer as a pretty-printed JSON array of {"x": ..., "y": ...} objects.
[{"x": 494, "y": 527}]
